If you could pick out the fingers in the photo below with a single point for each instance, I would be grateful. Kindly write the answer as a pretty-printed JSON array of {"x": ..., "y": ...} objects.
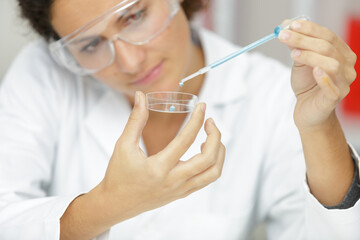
[
  {"x": 332, "y": 94},
  {"x": 341, "y": 74},
  {"x": 206, "y": 177},
  {"x": 314, "y": 59},
  {"x": 297, "y": 41},
  {"x": 330, "y": 58},
  {"x": 311, "y": 36},
  {"x": 213, "y": 139},
  {"x": 137, "y": 120},
  {"x": 211, "y": 150},
  {"x": 181, "y": 143},
  {"x": 321, "y": 32}
]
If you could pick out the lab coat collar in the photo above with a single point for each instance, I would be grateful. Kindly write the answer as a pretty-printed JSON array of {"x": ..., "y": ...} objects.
[{"x": 107, "y": 125}]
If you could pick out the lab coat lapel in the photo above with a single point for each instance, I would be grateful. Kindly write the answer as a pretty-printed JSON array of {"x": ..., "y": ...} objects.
[
  {"x": 107, "y": 120},
  {"x": 218, "y": 91}
]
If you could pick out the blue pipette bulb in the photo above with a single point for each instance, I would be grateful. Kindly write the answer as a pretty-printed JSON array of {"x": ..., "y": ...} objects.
[
  {"x": 286, "y": 24},
  {"x": 277, "y": 31}
]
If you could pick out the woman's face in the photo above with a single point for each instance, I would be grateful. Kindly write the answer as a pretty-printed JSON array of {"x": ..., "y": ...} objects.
[{"x": 155, "y": 66}]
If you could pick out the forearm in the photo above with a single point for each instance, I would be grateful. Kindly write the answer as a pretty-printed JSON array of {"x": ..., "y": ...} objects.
[
  {"x": 84, "y": 217},
  {"x": 330, "y": 168},
  {"x": 91, "y": 214}
]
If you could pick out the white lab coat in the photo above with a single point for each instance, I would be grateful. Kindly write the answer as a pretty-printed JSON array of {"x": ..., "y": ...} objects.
[{"x": 57, "y": 133}]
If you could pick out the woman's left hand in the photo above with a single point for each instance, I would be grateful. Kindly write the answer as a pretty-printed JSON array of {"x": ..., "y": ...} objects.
[{"x": 322, "y": 73}]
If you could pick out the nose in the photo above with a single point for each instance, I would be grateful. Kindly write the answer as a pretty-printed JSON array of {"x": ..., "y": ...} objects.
[{"x": 128, "y": 57}]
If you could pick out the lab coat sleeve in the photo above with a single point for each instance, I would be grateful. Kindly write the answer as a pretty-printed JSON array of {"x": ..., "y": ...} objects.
[
  {"x": 289, "y": 209},
  {"x": 30, "y": 103},
  {"x": 334, "y": 224}
]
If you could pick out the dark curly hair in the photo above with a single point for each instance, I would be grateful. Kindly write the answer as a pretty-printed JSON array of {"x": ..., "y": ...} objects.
[{"x": 37, "y": 12}]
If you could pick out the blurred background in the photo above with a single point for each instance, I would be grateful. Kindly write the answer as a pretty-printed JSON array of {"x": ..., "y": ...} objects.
[{"x": 242, "y": 22}]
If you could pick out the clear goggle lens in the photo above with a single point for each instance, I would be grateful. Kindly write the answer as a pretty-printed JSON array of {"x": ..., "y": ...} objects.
[{"x": 137, "y": 22}]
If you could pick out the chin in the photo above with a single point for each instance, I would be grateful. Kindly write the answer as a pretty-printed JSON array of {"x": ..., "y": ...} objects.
[
  {"x": 164, "y": 86},
  {"x": 173, "y": 88}
]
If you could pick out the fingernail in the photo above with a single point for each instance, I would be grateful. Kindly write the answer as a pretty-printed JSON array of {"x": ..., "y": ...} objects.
[
  {"x": 203, "y": 107},
  {"x": 211, "y": 121},
  {"x": 296, "y": 53},
  {"x": 137, "y": 97},
  {"x": 296, "y": 25},
  {"x": 319, "y": 72},
  {"x": 284, "y": 35}
]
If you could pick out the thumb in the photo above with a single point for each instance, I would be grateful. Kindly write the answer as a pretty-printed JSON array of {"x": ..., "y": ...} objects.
[{"x": 137, "y": 120}]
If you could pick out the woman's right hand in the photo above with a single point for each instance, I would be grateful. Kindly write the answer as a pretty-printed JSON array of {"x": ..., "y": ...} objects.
[{"x": 135, "y": 183}]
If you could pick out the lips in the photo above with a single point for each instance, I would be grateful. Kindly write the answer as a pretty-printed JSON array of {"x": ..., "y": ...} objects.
[{"x": 150, "y": 76}]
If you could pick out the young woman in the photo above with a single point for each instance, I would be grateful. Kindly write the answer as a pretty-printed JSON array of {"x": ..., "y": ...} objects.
[{"x": 74, "y": 165}]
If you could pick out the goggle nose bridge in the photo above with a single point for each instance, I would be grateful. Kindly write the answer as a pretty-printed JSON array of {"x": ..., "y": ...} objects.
[{"x": 117, "y": 37}]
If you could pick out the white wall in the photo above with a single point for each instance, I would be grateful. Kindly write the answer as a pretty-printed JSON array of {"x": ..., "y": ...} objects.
[{"x": 14, "y": 34}]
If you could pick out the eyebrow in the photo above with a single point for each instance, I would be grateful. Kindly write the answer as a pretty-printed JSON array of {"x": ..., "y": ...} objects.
[
  {"x": 128, "y": 10},
  {"x": 119, "y": 18},
  {"x": 85, "y": 39}
]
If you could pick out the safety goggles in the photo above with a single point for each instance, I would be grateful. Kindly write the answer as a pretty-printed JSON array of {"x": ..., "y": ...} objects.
[{"x": 87, "y": 50}]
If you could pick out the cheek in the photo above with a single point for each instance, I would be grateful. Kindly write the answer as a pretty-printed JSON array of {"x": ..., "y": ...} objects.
[
  {"x": 106, "y": 76},
  {"x": 114, "y": 78},
  {"x": 177, "y": 43}
]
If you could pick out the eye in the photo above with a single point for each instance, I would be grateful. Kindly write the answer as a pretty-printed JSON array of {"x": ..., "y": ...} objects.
[
  {"x": 91, "y": 47},
  {"x": 135, "y": 17}
]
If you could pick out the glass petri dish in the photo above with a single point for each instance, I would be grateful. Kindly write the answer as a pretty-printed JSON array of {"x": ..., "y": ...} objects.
[{"x": 171, "y": 102}]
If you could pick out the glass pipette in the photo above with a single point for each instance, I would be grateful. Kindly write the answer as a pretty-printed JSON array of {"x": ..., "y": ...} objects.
[{"x": 285, "y": 25}]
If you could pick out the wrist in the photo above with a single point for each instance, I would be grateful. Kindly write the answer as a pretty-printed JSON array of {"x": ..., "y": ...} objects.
[
  {"x": 84, "y": 218},
  {"x": 328, "y": 161},
  {"x": 328, "y": 125},
  {"x": 115, "y": 207},
  {"x": 100, "y": 198}
]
